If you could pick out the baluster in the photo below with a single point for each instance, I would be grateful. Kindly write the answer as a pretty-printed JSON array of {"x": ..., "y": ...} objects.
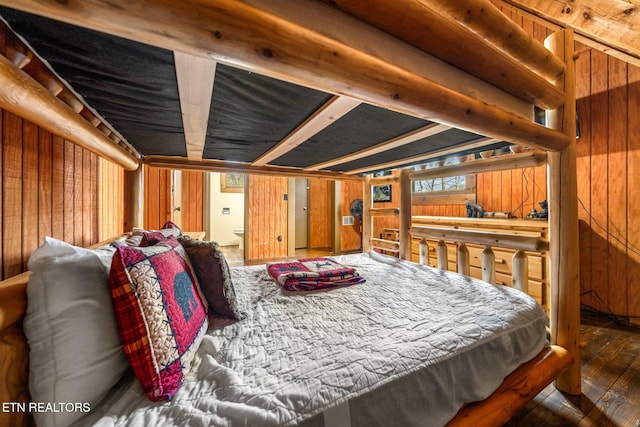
[
  {"x": 463, "y": 259},
  {"x": 520, "y": 271},
  {"x": 488, "y": 265},
  {"x": 424, "y": 252},
  {"x": 443, "y": 257}
]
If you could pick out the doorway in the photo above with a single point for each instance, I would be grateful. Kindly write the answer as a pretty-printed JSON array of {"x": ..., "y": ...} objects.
[{"x": 301, "y": 213}]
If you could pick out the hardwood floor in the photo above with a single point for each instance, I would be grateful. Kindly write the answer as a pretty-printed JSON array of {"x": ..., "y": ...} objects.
[
  {"x": 610, "y": 382},
  {"x": 610, "y": 374}
]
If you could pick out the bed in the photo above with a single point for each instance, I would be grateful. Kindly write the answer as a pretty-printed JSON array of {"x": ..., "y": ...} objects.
[
  {"x": 350, "y": 53},
  {"x": 385, "y": 352},
  {"x": 297, "y": 358}
]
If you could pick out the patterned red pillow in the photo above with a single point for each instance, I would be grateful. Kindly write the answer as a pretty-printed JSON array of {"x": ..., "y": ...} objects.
[
  {"x": 150, "y": 238},
  {"x": 160, "y": 313},
  {"x": 170, "y": 224}
]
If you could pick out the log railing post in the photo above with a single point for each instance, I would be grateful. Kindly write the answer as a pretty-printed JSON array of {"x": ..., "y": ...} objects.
[
  {"x": 520, "y": 271},
  {"x": 488, "y": 265},
  {"x": 443, "y": 257},
  {"x": 424, "y": 252},
  {"x": 463, "y": 259},
  {"x": 405, "y": 215},
  {"x": 367, "y": 221},
  {"x": 564, "y": 257}
]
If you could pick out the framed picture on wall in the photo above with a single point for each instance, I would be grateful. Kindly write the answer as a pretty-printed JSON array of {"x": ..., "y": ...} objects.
[
  {"x": 381, "y": 193},
  {"x": 231, "y": 182}
]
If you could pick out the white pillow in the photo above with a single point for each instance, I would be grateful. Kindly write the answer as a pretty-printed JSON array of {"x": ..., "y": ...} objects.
[{"x": 74, "y": 346}]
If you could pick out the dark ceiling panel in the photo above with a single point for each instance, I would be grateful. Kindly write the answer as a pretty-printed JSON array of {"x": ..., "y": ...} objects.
[
  {"x": 132, "y": 85},
  {"x": 251, "y": 113},
  {"x": 362, "y": 127},
  {"x": 442, "y": 140}
]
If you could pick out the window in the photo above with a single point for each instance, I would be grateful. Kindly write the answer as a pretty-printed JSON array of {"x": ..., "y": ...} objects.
[{"x": 444, "y": 190}]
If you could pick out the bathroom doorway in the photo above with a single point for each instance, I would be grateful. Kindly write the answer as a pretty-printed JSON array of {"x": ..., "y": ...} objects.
[
  {"x": 302, "y": 213},
  {"x": 224, "y": 207}
]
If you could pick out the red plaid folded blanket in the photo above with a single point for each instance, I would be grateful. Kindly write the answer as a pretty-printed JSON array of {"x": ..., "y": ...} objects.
[{"x": 313, "y": 273}]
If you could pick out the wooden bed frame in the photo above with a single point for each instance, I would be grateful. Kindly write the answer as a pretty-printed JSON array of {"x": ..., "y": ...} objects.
[{"x": 345, "y": 50}]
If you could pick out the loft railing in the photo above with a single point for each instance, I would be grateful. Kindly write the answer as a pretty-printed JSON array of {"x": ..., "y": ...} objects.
[{"x": 519, "y": 243}]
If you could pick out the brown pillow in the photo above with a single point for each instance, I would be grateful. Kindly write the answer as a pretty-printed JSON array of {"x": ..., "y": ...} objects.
[{"x": 212, "y": 271}]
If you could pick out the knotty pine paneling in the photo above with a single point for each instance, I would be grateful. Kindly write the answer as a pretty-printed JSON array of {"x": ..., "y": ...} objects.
[
  {"x": 517, "y": 191},
  {"x": 350, "y": 239},
  {"x": 12, "y": 261},
  {"x": 50, "y": 187},
  {"x": 110, "y": 199}
]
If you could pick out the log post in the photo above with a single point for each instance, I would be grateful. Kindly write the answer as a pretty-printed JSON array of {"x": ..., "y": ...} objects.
[
  {"x": 564, "y": 257},
  {"x": 405, "y": 214},
  {"x": 424, "y": 252},
  {"x": 367, "y": 221},
  {"x": 520, "y": 271},
  {"x": 488, "y": 265},
  {"x": 442, "y": 256},
  {"x": 463, "y": 259},
  {"x": 23, "y": 96}
]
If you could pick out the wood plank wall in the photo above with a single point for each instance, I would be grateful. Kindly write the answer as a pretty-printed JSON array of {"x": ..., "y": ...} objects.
[
  {"x": 50, "y": 187},
  {"x": 349, "y": 234},
  {"x": 608, "y": 150},
  {"x": 192, "y": 198},
  {"x": 608, "y": 158}
]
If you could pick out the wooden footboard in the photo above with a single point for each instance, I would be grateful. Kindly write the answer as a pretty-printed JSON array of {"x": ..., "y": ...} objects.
[{"x": 518, "y": 388}]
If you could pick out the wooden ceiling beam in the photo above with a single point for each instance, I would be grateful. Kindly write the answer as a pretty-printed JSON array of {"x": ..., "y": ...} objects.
[
  {"x": 485, "y": 20},
  {"x": 508, "y": 161},
  {"x": 235, "y": 167},
  {"x": 326, "y": 115},
  {"x": 399, "y": 141},
  {"x": 609, "y": 26},
  {"x": 471, "y": 145},
  {"x": 195, "y": 75},
  {"x": 304, "y": 42},
  {"x": 457, "y": 31},
  {"x": 25, "y": 97}
]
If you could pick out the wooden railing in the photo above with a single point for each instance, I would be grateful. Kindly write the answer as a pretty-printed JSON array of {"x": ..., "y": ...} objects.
[{"x": 519, "y": 243}]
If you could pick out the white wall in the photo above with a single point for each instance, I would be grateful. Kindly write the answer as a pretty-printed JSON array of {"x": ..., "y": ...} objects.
[{"x": 221, "y": 226}]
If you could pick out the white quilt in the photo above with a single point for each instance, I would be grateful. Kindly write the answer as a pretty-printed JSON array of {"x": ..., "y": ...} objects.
[{"x": 408, "y": 347}]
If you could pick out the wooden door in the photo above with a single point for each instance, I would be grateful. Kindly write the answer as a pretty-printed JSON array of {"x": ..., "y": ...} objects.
[
  {"x": 158, "y": 206},
  {"x": 191, "y": 205},
  {"x": 266, "y": 217}
]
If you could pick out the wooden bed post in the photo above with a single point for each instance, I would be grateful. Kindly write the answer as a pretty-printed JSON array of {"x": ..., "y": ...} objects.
[
  {"x": 405, "y": 214},
  {"x": 366, "y": 215},
  {"x": 563, "y": 221}
]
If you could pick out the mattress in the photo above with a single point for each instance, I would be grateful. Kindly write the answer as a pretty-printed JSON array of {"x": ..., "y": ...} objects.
[{"x": 407, "y": 348}]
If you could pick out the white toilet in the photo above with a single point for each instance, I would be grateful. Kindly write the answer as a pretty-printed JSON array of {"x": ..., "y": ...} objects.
[{"x": 240, "y": 233}]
